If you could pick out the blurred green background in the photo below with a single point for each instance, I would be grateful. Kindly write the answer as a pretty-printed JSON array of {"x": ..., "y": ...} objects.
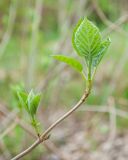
[{"x": 30, "y": 32}]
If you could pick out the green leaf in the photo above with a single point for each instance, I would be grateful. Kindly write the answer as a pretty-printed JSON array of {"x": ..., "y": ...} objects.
[
  {"x": 86, "y": 38},
  {"x": 22, "y": 96},
  {"x": 70, "y": 61},
  {"x": 104, "y": 46},
  {"x": 34, "y": 104},
  {"x": 30, "y": 98},
  {"x": 88, "y": 43},
  {"x": 15, "y": 89}
]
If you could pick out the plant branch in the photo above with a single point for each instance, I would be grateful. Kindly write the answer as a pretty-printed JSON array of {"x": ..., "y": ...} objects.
[{"x": 46, "y": 134}]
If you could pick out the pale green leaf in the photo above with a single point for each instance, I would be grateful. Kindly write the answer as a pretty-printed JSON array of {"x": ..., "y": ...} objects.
[
  {"x": 70, "y": 61},
  {"x": 34, "y": 104},
  {"x": 16, "y": 89},
  {"x": 22, "y": 96},
  {"x": 86, "y": 38},
  {"x": 104, "y": 46},
  {"x": 30, "y": 98}
]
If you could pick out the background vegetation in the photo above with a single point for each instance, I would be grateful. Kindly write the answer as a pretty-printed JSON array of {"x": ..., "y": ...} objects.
[{"x": 30, "y": 32}]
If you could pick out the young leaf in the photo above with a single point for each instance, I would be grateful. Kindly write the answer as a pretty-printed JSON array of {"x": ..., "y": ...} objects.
[
  {"x": 86, "y": 38},
  {"x": 22, "y": 99},
  {"x": 70, "y": 61},
  {"x": 104, "y": 46},
  {"x": 30, "y": 98},
  {"x": 34, "y": 104},
  {"x": 15, "y": 89},
  {"x": 88, "y": 44}
]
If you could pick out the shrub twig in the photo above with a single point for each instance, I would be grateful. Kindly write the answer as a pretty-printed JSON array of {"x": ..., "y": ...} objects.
[{"x": 46, "y": 134}]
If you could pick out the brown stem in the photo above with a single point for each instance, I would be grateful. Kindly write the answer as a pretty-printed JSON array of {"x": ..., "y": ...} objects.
[{"x": 45, "y": 135}]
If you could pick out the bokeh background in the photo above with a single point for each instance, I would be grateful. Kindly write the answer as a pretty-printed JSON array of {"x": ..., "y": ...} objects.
[{"x": 30, "y": 32}]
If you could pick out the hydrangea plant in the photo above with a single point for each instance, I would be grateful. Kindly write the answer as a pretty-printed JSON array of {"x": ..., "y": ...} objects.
[{"x": 89, "y": 45}]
